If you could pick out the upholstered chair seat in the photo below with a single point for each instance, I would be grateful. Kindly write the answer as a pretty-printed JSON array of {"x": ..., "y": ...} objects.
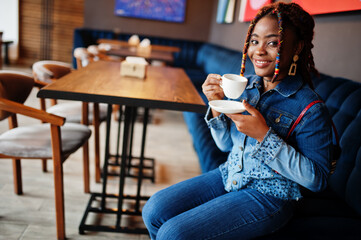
[
  {"x": 34, "y": 141},
  {"x": 71, "y": 110}
]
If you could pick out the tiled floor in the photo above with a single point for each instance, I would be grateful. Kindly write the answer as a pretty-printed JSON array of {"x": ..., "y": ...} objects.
[{"x": 32, "y": 216}]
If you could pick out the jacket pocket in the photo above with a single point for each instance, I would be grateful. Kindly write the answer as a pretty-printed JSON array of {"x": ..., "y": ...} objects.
[{"x": 280, "y": 121}]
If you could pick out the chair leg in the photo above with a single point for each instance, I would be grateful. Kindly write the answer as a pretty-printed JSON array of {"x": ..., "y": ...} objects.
[
  {"x": 18, "y": 183},
  {"x": 86, "y": 167},
  {"x": 53, "y": 102},
  {"x": 44, "y": 165},
  {"x": 85, "y": 114},
  {"x": 115, "y": 111},
  {"x": 58, "y": 182},
  {"x": 96, "y": 124}
]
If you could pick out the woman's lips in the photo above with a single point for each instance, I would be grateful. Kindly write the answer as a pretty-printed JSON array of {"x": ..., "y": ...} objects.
[{"x": 262, "y": 63}]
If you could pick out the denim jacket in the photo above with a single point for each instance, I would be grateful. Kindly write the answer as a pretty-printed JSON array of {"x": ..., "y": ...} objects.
[{"x": 275, "y": 166}]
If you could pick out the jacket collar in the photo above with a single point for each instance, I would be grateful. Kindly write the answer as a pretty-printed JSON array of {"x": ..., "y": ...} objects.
[{"x": 287, "y": 87}]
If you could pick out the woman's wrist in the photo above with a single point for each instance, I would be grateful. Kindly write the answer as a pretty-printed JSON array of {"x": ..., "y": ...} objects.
[
  {"x": 215, "y": 113},
  {"x": 263, "y": 134}
]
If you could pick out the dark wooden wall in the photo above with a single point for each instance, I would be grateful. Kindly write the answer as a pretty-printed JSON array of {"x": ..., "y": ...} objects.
[{"x": 46, "y": 29}]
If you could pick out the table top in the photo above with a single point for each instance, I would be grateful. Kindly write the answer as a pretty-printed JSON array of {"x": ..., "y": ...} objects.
[
  {"x": 149, "y": 55},
  {"x": 126, "y": 44},
  {"x": 6, "y": 41},
  {"x": 164, "y": 88}
]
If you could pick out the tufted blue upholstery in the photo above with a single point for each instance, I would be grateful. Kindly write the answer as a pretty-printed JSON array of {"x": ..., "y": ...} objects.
[
  {"x": 332, "y": 214},
  {"x": 83, "y": 37},
  {"x": 343, "y": 99},
  {"x": 215, "y": 59}
]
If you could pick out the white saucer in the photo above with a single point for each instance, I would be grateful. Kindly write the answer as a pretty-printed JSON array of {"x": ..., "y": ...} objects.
[{"x": 227, "y": 106}]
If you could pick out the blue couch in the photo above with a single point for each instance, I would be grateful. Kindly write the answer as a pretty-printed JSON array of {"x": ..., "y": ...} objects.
[{"x": 332, "y": 214}]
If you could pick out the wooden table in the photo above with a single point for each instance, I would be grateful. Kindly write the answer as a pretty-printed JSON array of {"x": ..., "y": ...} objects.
[
  {"x": 6, "y": 53},
  {"x": 123, "y": 49},
  {"x": 166, "y": 57},
  {"x": 119, "y": 43},
  {"x": 163, "y": 88}
]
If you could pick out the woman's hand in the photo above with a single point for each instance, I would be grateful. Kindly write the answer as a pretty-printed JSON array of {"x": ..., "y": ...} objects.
[
  {"x": 253, "y": 125},
  {"x": 212, "y": 90},
  {"x": 211, "y": 87}
]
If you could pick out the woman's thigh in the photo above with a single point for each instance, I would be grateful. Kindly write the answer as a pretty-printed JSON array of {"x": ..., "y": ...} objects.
[
  {"x": 236, "y": 215},
  {"x": 182, "y": 196}
]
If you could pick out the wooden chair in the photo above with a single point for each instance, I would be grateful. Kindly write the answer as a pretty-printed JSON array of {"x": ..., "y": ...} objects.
[
  {"x": 51, "y": 139},
  {"x": 46, "y": 72}
]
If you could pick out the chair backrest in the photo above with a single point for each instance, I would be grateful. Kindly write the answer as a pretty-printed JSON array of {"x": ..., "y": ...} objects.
[
  {"x": 15, "y": 86},
  {"x": 47, "y": 70},
  {"x": 343, "y": 99}
]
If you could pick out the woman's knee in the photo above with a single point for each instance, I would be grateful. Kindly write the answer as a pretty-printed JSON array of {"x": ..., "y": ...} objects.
[
  {"x": 173, "y": 230},
  {"x": 150, "y": 210},
  {"x": 154, "y": 209}
]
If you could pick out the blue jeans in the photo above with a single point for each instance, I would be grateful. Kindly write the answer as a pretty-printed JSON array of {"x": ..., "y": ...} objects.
[{"x": 200, "y": 208}]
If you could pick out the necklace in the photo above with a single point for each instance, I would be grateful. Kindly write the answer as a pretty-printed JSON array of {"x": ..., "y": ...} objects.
[{"x": 277, "y": 80}]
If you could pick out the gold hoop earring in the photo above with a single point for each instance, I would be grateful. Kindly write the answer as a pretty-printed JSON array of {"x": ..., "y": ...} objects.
[{"x": 293, "y": 67}]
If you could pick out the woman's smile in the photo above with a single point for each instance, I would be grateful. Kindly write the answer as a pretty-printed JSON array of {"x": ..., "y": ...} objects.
[{"x": 259, "y": 63}]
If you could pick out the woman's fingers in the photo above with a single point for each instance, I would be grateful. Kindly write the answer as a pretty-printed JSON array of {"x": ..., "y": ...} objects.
[{"x": 211, "y": 87}]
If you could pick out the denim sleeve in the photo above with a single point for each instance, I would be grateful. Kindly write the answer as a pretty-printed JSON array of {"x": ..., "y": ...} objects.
[
  {"x": 220, "y": 131},
  {"x": 308, "y": 165}
]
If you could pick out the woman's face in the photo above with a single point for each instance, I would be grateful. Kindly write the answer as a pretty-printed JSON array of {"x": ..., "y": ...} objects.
[{"x": 263, "y": 48}]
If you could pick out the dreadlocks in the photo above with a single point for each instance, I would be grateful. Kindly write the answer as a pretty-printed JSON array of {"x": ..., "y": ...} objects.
[{"x": 288, "y": 15}]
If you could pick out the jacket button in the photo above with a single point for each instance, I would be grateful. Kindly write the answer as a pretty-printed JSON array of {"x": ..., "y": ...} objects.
[
  {"x": 234, "y": 182},
  {"x": 241, "y": 148},
  {"x": 277, "y": 120},
  {"x": 240, "y": 166}
]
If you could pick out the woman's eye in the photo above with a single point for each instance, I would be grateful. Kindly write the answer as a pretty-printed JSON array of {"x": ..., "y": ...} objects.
[
  {"x": 273, "y": 43},
  {"x": 254, "y": 42}
]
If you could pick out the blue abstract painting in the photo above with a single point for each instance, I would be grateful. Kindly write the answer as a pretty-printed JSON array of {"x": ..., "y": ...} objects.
[{"x": 162, "y": 10}]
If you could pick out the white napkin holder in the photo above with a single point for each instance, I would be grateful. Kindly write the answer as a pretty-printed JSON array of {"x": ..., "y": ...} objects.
[{"x": 134, "y": 67}]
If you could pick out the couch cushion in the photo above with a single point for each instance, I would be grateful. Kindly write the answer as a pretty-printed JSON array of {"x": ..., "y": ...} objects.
[
  {"x": 197, "y": 76},
  {"x": 210, "y": 157},
  {"x": 186, "y": 58},
  {"x": 84, "y": 37},
  {"x": 319, "y": 227},
  {"x": 343, "y": 100},
  {"x": 217, "y": 59}
]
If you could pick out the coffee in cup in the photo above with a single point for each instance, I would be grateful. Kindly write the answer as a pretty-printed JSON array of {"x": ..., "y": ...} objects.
[{"x": 233, "y": 85}]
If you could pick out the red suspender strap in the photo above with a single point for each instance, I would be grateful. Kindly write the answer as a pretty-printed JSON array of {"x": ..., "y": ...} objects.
[{"x": 300, "y": 117}]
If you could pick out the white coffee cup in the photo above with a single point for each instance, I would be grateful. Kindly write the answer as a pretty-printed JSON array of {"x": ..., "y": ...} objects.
[{"x": 233, "y": 85}]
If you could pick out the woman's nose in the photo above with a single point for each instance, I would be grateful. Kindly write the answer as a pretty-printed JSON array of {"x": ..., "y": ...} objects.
[{"x": 260, "y": 50}]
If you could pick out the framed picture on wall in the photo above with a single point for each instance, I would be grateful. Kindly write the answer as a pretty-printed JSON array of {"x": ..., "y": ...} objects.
[
  {"x": 328, "y": 6},
  {"x": 249, "y": 9},
  {"x": 162, "y": 10},
  {"x": 225, "y": 11}
]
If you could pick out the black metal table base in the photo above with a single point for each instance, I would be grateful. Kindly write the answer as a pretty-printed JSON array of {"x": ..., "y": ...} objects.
[
  {"x": 125, "y": 163},
  {"x": 149, "y": 164},
  {"x": 109, "y": 228}
]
